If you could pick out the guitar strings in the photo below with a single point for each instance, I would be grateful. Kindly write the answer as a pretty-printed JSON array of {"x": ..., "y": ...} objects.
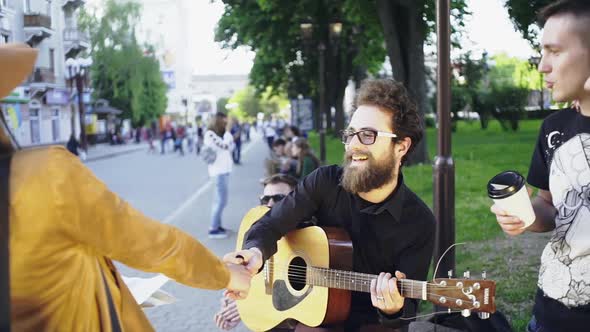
[
  {"x": 412, "y": 288},
  {"x": 303, "y": 271}
]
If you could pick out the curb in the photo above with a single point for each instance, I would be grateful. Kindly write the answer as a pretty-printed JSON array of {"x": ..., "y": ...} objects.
[{"x": 113, "y": 154}]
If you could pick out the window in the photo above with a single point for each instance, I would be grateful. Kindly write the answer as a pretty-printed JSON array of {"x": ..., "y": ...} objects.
[
  {"x": 34, "y": 123},
  {"x": 52, "y": 60},
  {"x": 27, "y": 6},
  {"x": 55, "y": 124}
]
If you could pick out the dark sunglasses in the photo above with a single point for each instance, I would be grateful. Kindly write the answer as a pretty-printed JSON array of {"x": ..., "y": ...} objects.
[
  {"x": 365, "y": 136},
  {"x": 266, "y": 198}
]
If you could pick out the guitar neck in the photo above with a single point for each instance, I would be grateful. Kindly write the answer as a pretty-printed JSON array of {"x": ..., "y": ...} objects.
[{"x": 361, "y": 282}]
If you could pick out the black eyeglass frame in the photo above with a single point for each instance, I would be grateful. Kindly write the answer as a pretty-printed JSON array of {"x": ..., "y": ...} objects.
[
  {"x": 264, "y": 199},
  {"x": 347, "y": 135}
]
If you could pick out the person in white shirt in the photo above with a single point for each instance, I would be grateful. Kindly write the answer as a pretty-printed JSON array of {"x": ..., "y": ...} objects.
[{"x": 221, "y": 141}]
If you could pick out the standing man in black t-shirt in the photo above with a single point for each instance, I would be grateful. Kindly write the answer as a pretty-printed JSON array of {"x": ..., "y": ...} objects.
[
  {"x": 560, "y": 169},
  {"x": 391, "y": 228}
]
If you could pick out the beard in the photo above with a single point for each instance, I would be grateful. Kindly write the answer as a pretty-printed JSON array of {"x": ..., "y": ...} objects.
[{"x": 371, "y": 176}]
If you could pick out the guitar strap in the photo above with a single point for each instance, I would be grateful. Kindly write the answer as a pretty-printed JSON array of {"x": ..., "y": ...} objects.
[{"x": 4, "y": 238}]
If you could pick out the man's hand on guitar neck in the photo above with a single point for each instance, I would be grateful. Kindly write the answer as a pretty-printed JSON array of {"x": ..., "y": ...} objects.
[
  {"x": 250, "y": 258},
  {"x": 384, "y": 293}
]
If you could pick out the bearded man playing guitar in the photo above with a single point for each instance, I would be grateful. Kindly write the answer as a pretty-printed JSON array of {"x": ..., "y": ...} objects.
[{"x": 391, "y": 228}]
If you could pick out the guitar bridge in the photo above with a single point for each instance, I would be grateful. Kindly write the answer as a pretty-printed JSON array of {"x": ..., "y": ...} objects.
[{"x": 268, "y": 276}]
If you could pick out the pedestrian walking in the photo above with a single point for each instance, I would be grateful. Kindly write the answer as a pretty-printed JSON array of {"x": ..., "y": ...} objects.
[
  {"x": 221, "y": 142},
  {"x": 236, "y": 131}
]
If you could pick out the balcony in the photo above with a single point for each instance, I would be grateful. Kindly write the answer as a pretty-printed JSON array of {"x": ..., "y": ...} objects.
[
  {"x": 42, "y": 76},
  {"x": 71, "y": 5},
  {"x": 37, "y": 28},
  {"x": 75, "y": 41}
]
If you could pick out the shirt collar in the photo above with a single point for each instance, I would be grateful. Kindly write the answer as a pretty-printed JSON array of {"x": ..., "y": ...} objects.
[{"x": 394, "y": 203}]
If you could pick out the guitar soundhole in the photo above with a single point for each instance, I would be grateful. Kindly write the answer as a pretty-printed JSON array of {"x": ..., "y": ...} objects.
[{"x": 297, "y": 273}]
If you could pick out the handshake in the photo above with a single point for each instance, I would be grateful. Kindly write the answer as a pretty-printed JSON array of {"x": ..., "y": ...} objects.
[{"x": 242, "y": 266}]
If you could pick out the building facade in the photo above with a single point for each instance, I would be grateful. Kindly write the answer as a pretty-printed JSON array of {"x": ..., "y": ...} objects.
[{"x": 41, "y": 110}]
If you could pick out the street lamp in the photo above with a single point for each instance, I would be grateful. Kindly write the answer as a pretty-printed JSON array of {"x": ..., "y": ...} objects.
[
  {"x": 307, "y": 34},
  {"x": 77, "y": 72},
  {"x": 534, "y": 63},
  {"x": 185, "y": 104}
]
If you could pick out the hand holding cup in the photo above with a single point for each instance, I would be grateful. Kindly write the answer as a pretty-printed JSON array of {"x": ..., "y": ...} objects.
[{"x": 512, "y": 205}]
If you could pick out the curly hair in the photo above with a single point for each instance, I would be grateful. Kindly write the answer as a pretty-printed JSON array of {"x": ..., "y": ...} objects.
[{"x": 392, "y": 97}]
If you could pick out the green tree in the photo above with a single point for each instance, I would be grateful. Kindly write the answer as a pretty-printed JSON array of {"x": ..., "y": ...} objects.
[
  {"x": 286, "y": 62},
  {"x": 272, "y": 30},
  {"x": 407, "y": 26},
  {"x": 523, "y": 14},
  {"x": 497, "y": 88},
  {"x": 248, "y": 103},
  {"x": 221, "y": 103},
  {"x": 123, "y": 72}
]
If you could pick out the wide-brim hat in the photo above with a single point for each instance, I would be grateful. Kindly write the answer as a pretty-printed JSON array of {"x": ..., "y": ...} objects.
[{"x": 16, "y": 63}]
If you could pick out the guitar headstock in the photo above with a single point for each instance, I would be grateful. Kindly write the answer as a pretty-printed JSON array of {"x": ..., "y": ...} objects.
[{"x": 471, "y": 294}]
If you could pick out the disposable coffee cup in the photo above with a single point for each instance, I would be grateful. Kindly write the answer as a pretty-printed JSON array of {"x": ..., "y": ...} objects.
[{"x": 508, "y": 191}]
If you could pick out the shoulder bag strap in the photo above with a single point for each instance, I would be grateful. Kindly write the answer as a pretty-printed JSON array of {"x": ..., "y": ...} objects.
[
  {"x": 4, "y": 238},
  {"x": 115, "y": 326}
]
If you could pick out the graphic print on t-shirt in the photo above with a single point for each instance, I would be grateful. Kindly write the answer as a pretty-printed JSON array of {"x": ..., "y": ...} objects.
[{"x": 565, "y": 263}]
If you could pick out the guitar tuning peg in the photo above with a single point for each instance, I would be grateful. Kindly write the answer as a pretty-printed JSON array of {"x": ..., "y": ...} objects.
[
  {"x": 450, "y": 273},
  {"x": 484, "y": 275},
  {"x": 465, "y": 312},
  {"x": 483, "y": 315},
  {"x": 467, "y": 274}
]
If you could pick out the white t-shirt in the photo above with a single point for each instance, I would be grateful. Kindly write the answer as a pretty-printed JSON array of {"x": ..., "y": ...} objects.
[{"x": 223, "y": 146}]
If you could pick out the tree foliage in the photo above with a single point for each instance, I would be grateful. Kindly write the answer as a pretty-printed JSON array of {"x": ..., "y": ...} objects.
[
  {"x": 523, "y": 14},
  {"x": 498, "y": 88},
  {"x": 247, "y": 104},
  {"x": 123, "y": 72}
]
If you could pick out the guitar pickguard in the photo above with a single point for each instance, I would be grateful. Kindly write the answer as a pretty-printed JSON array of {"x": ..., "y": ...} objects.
[{"x": 282, "y": 299}]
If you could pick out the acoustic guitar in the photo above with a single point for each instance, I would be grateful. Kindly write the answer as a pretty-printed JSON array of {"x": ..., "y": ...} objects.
[{"x": 309, "y": 279}]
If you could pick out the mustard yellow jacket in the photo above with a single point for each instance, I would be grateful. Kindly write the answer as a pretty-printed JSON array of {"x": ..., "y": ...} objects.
[{"x": 65, "y": 226}]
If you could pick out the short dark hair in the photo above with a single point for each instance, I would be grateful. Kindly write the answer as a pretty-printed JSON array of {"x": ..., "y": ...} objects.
[
  {"x": 279, "y": 141},
  {"x": 280, "y": 178},
  {"x": 217, "y": 125},
  {"x": 392, "y": 97},
  {"x": 577, "y": 8},
  {"x": 295, "y": 130}
]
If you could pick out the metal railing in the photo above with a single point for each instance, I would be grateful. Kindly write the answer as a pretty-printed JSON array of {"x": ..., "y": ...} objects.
[
  {"x": 36, "y": 20},
  {"x": 42, "y": 75},
  {"x": 76, "y": 35}
]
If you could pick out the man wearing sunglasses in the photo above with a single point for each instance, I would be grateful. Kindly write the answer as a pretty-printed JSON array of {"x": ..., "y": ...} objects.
[
  {"x": 276, "y": 187},
  {"x": 392, "y": 230}
]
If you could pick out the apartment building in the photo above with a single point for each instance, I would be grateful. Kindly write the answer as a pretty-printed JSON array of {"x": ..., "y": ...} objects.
[{"x": 41, "y": 110}]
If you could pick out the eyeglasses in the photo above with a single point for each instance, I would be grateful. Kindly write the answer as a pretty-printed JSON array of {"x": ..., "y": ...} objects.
[
  {"x": 365, "y": 136},
  {"x": 266, "y": 198}
]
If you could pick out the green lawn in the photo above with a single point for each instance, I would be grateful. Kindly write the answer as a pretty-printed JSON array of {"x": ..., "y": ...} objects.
[{"x": 479, "y": 155}]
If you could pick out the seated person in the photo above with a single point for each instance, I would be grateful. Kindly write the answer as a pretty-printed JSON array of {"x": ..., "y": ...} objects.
[
  {"x": 280, "y": 160},
  {"x": 276, "y": 187}
]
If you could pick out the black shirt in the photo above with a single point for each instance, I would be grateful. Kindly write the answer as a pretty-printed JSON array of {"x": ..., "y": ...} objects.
[
  {"x": 396, "y": 234},
  {"x": 561, "y": 164}
]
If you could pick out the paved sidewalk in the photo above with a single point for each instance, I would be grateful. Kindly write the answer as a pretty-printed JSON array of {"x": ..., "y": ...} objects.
[{"x": 105, "y": 150}]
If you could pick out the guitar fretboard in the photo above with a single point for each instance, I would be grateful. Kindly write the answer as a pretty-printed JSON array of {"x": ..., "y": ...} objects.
[{"x": 361, "y": 282}]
